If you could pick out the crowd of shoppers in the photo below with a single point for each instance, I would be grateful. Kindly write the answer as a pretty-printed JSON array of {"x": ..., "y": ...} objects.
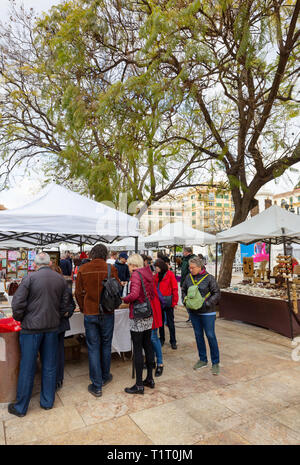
[{"x": 43, "y": 304}]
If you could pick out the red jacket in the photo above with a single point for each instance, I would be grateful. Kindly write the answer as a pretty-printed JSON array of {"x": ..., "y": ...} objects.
[
  {"x": 137, "y": 294},
  {"x": 168, "y": 286}
]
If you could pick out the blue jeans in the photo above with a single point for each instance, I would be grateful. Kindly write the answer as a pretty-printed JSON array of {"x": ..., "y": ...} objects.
[
  {"x": 99, "y": 333},
  {"x": 156, "y": 346},
  {"x": 30, "y": 345},
  {"x": 205, "y": 323}
]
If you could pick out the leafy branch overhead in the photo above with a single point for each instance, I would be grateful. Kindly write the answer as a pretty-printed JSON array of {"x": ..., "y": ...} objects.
[{"x": 146, "y": 96}]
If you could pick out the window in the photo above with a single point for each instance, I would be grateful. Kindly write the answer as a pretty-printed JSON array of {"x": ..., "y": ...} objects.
[
  {"x": 226, "y": 196},
  {"x": 172, "y": 213},
  {"x": 160, "y": 213},
  {"x": 226, "y": 213},
  {"x": 211, "y": 204},
  {"x": 211, "y": 196},
  {"x": 219, "y": 213},
  {"x": 298, "y": 198},
  {"x": 211, "y": 213},
  {"x": 291, "y": 200},
  {"x": 219, "y": 205},
  {"x": 178, "y": 214},
  {"x": 226, "y": 205},
  {"x": 192, "y": 196},
  {"x": 149, "y": 212},
  {"x": 193, "y": 222},
  {"x": 219, "y": 196},
  {"x": 193, "y": 205},
  {"x": 193, "y": 213}
]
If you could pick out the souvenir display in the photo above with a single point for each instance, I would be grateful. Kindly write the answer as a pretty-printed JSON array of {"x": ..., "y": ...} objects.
[
  {"x": 13, "y": 255},
  {"x": 260, "y": 283}
]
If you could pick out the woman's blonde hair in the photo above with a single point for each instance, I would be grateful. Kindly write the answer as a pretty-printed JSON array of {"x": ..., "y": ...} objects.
[{"x": 136, "y": 259}]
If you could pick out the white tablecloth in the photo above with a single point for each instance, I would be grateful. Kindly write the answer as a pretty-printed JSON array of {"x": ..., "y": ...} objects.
[{"x": 121, "y": 341}]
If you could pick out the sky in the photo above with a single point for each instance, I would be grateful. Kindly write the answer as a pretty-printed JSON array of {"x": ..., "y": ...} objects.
[{"x": 25, "y": 188}]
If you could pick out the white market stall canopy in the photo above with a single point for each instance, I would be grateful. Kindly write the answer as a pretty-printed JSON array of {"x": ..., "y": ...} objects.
[
  {"x": 178, "y": 234},
  {"x": 127, "y": 244},
  {"x": 60, "y": 215},
  {"x": 274, "y": 223}
]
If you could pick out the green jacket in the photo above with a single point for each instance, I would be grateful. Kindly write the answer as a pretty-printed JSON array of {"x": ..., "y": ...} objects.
[{"x": 185, "y": 267}]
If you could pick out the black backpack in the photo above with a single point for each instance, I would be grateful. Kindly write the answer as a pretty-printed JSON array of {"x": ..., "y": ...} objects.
[{"x": 110, "y": 297}]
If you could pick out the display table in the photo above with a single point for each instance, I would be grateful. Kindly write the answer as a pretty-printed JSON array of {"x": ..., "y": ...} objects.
[
  {"x": 261, "y": 311},
  {"x": 121, "y": 341}
]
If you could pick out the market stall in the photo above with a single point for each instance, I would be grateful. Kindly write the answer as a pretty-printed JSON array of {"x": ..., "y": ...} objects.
[
  {"x": 121, "y": 341},
  {"x": 267, "y": 296}
]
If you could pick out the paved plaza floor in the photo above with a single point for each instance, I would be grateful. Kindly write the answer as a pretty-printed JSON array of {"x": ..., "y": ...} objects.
[{"x": 254, "y": 400}]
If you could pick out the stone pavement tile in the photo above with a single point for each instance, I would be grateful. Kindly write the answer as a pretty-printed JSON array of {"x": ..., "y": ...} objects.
[
  {"x": 226, "y": 438},
  {"x": 119, "y": 431},
  {"x": 185, "y": 421},
  {"x": 4, "y": 415},
  {"x": 267, "y": 431},
  {"x": 77, "y": 367},
  {"x": 247, "y": 401},
  {"x": 2, "y": 436},
  {"x": 38, "y": 425},
  {"x": 115, "y": 405},
  {"x": 289, "y": 417}
]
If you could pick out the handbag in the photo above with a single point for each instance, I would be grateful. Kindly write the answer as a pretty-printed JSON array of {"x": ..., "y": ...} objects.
[
  {"x": 165, "y": 300},
  {"x": 142, "y": 310}
]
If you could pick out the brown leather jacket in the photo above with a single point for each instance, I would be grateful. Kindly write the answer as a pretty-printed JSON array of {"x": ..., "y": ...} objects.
[{"x": 89, "y": 285}]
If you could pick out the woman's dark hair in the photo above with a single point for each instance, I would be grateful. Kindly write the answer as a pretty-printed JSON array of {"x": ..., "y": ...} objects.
[
  {"x": 98, "y": 251},
  {"x": 166, "y": 259},
  {"x": 163, "y": 268}
]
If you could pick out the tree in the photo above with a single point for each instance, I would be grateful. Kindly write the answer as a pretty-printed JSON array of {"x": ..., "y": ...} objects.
[
  {"x": 75, "y": 95},
  {"x": 144, "y": 95},
  {"x": 236, "y": 65}
]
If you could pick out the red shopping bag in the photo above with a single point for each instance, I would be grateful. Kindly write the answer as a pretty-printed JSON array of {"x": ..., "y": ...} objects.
[{"x": 9, "y": 325}]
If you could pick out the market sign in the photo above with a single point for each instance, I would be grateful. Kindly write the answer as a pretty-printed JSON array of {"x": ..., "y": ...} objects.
[{"x": 151, "y": 245}]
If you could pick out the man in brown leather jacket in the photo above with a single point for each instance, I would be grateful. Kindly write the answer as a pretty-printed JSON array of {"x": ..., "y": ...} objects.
[{"x": 98, "y": 328}]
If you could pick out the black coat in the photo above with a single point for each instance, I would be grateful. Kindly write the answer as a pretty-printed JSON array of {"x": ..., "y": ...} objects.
[
  {"x": 209, "y": 284},
  {"x": 41, "y": 301},
  {"x": 69, "y": 310}
]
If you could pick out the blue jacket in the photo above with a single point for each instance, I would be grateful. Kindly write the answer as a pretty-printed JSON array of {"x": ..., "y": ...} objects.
[
  {"x": 123, "y": 271},
  {"x": 66, "y": 267}
]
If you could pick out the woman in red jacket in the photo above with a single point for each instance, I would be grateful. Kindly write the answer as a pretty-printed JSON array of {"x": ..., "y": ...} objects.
[
  {"x": 167, "y": 288},
  {"x": 141, "y": 328}
]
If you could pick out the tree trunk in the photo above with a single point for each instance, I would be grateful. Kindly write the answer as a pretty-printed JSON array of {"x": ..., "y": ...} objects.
[{"x": 229, "y": 251}]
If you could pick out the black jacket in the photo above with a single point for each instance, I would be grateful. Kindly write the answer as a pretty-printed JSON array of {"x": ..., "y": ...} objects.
[
  {"x": 41, "y": 301},
  {"x": 185, "y": 267},
  {"x": 123, "y": 271},
  {"x": 69, "y": 310},
  {"x": 66, "y": 266},
  {"x": 209, "y": 284}
]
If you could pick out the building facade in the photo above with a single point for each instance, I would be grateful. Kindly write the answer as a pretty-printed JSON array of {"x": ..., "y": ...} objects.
[
  {"x": 291, "y": 199},
  {"x": 205, "y": 208}
]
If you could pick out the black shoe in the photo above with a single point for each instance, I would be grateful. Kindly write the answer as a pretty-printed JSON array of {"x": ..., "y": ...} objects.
[
  {"x": 159, "y": 370},
  {"x": 110, "y": 377},
  {"x": 46, "y": 408},
  {"x": 95, "y": 392},
  {"x": 149, "y": 383},
  {"x": 59, "y": 385},
  {"x": 174, "y": 346},
  {"x": 135, "y": 390},
  {"x": 13, "y": 411}
]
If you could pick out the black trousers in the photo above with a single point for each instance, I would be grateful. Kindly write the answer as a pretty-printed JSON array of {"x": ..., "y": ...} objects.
[
  {"x": 169, "y": 314},
  {"x": 140, "y": 341}
]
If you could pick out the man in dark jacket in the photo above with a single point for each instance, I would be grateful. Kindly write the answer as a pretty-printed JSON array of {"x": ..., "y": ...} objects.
[
  {"x": 122, "y": 268},
  {"x": 203, "y": 319},
  {"x": 98, "y": 328},
  {"x": 187, "y": 255},
  {"x": 39, "y": 304},
  {"x": 66, "y": 265}
]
